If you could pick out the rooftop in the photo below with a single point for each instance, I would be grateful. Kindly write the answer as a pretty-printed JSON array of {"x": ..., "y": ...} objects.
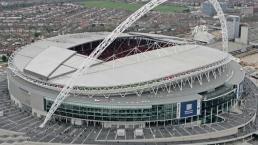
[
  {"x": 51, "y": 60},
  {"x": 147, "y": 66}
]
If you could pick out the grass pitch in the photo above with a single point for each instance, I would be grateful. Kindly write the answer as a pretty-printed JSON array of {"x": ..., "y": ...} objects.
[{"x": 108, "y": 4}]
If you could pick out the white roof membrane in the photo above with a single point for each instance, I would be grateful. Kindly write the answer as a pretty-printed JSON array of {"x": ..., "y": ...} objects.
[
  {"x": 52, "y": 61},
  {"x": 46, "y": 62},
  {"x": 147, "y": 66}
]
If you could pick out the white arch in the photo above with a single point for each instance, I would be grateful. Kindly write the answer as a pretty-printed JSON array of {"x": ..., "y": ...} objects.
[
  {"x": 223, "y": 23},
  {"x": 110, "y": 38}
]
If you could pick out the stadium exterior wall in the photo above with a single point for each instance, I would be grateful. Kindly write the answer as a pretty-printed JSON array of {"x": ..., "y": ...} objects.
[{"x": 31, "y": 97}]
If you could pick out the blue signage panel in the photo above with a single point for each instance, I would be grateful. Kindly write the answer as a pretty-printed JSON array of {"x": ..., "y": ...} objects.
[{"x": 188, "y": 109}]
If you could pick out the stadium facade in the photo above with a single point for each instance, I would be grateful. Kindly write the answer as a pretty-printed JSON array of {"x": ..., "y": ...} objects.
[{"x": 140, "y": 80}]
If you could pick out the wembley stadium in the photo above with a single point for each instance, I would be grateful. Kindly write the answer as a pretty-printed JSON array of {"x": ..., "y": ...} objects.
[
  {"x": 127, "y": 88},
  {"x": 131, "y": 83},
  {"x": 141, "y": 81}
]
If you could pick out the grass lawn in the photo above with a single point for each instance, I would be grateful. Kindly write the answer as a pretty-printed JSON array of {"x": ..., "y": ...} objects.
[{"x": 108, "y": 4}]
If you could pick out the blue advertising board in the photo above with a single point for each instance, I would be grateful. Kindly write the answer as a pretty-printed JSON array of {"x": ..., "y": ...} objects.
[{"x": 188, "y": 108}]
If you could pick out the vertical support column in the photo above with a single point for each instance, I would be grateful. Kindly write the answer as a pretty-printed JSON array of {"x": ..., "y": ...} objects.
[
  {"x": 150, "y": 111},
  {"x": 221, "y": 108},
  {"x": 217, "y": 113},
  {"x": 217, "y": 110},
  {"x": 198, "y": 118},
  {"x": 82, "y": 50},
  {"x": 232, "y": 102},
  {"x": 181, "y": 85},
  {"x": 157, "y": 116},
  {"x": 211, "y": 113},
  {"x": 164, "y": 112},
  {"x": 237, "y": 91},
  {"x": 191, "y": 121},
  {"x": 205, "y": 116},
  {"x": 227, "y": 106}
]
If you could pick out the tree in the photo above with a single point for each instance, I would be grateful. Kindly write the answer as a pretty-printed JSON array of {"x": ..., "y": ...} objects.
[
  {"x": 37, "y": 34},
  {"x": 4, "y": 58}
]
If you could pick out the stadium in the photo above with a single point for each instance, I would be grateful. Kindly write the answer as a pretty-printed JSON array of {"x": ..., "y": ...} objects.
[
  {"x": 140, "y": 82},
  {"x": 136, "y": 81},
  {"x": 127, "y": 88}
]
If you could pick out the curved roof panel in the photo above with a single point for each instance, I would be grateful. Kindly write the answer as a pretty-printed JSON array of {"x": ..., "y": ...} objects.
[
  {"x": 47, "y": 62},
  {"x": 147, "y": 66},
  {"x": 51, "y": 60}
]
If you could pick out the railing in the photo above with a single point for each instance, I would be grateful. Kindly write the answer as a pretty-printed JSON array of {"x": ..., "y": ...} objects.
[{"x": 218, "y": 92}]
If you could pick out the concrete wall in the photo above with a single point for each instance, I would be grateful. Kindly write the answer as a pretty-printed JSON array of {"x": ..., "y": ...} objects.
[{"x": 28, "y": 94}]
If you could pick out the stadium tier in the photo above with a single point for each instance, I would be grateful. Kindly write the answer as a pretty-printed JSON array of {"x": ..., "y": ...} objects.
[{"x": 140, "y": 80}]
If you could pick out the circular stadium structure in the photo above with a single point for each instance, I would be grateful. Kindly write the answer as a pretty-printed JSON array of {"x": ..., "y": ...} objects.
[
  {"x": 140, "y": 80},
  {"x": 128, "y": 88}
]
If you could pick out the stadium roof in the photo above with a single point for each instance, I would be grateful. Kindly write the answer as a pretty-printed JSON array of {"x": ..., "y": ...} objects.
[
  {"x": 48, "y": 61},
  {"x": 147, "y": 66},
  {"x": 133, "y": 101},
  {"x": 51, "y": 60},
  {"x": 27, "y": 53}
]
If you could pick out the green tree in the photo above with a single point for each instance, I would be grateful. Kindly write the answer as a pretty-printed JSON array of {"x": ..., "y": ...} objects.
[
  {"x": 37, "y": 34},
  {"x": 4, "y": 58}
]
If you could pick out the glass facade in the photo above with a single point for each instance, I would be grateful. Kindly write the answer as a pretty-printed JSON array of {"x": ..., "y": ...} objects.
[
  {"x": 102, "y": 113},
  {"x": 220, "y": 101},
  {"x": 215, "y": 102}
]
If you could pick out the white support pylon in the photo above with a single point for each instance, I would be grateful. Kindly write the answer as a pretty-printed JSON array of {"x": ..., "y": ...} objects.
[
  {"x": 110, "y": 38},
  {"x": 223, "y": 23}
]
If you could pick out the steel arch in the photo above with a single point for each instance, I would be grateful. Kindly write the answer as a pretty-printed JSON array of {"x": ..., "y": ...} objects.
[{"x": 111, "y": 37}]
